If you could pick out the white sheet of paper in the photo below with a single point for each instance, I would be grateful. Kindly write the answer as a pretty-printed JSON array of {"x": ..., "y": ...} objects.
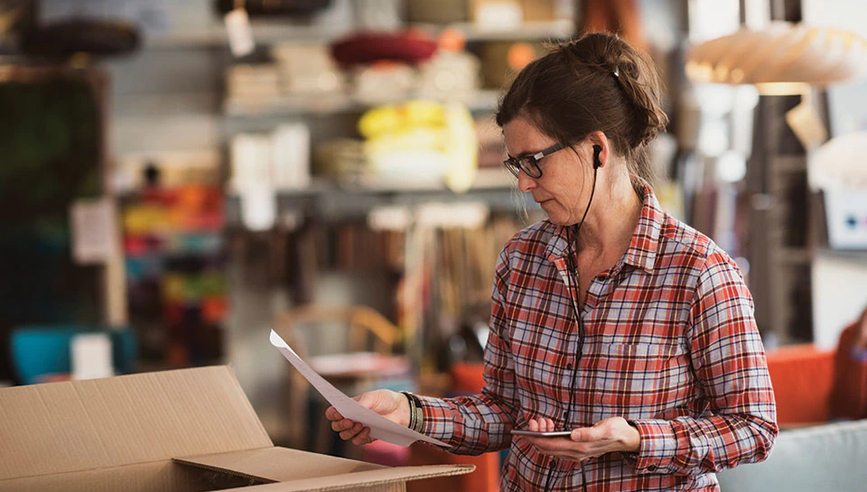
[
  {"x": 380, "y": 427},
  {"x": 94, "y": 231}
]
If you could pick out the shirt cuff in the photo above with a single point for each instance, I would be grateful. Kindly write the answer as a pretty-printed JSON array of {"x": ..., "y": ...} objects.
[
  {"x": 658, "y": 446},
  {"x": 438, "y": 419}
]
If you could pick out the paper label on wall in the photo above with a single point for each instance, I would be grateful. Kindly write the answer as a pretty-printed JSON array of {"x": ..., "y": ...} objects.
[
  {"x": 258, "y": 206},
  {"x": 94, "y": 231},
  {"x": 91, "y": 356},
  {"x": 240, "y": 32},
  {"x": 380, "y": 427}
]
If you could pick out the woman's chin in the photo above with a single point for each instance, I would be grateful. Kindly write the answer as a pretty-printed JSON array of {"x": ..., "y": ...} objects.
[
  {"x": 560, "y": 220},
  {"x": 554, "y": 219},
  {"x": 555, "y": 215}
]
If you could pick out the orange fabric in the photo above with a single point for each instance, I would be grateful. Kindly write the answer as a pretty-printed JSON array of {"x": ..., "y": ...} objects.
[
  {"x": 802, "y": 377},
  {"x": 849, "y": 394},
  {"x": 467, "y": 378},
  {"x": 486, "y": 478},
  {"x": 618, "y": 16}
]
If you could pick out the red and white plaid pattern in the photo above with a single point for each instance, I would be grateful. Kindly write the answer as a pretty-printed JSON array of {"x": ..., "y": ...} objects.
[{"x": 670, "y": 344}]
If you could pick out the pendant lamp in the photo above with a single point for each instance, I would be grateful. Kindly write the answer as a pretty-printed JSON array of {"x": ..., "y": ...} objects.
[{"x": 781, "y": 59}]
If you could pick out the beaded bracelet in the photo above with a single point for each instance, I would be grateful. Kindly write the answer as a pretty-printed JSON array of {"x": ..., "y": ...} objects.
[{"x": 416, "y": 414}]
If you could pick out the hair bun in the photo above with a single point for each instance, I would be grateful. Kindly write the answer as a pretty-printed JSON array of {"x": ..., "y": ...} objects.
[{"x": 631, "y": 70}]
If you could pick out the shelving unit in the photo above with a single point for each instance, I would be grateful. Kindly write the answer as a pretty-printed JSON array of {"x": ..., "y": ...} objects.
[
  {"x": 324, "y": 199},
  {"x": 271, "y": 33},
  {"x": 263, "y": 33},
  {"x": 324, "y": 104},
  {"x": 540, "y": 30}
]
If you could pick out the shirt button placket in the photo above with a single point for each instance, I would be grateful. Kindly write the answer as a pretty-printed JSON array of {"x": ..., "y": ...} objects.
[{"x": 568, "y": 379}]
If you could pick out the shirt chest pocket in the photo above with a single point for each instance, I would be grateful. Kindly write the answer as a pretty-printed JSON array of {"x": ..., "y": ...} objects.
[{"x": 635, "y": 380}]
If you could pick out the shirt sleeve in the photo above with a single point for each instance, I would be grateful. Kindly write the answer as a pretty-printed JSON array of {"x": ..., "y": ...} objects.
[
  {"x": 729, "y": 362},
  {"x": 481, "y": 423}
]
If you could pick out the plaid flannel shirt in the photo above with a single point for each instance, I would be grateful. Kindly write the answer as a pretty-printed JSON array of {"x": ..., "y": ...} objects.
[{"x": 670, "y": 344}]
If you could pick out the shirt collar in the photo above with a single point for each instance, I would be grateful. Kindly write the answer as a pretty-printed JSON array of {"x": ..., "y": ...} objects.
[{"x": 645, "y": 239}]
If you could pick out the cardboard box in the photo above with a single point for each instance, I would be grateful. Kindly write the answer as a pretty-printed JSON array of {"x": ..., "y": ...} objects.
[
  {"x": 539, "y": 10},
  {"x": 188, "y": 431},
  {"x": 439, "y": 12}
]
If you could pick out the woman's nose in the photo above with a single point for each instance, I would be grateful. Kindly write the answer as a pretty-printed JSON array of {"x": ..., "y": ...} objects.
[{"x": 525, "y": 183}]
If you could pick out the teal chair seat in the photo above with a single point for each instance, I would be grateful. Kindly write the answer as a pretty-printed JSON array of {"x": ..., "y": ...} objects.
[{"x": 39, "y": 350}]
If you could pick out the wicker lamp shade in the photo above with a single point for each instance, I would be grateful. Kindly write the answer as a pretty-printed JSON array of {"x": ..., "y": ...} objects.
[{"x": 781, "y": 54}]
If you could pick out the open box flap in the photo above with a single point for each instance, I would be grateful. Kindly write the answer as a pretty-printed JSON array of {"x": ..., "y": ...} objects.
[
  {"x": 84, "y": 425},
  {"x": 278, "y": 464},
  {"x": 295, "y": 470},
  {"x": 354, "y": 481}
]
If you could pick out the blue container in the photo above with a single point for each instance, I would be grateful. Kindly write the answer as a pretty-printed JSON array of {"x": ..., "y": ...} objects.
[{"x": 41, "y": 350}]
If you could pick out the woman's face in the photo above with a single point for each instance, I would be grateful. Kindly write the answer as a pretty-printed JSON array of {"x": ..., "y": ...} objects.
[{"x": 564, "y": 187}]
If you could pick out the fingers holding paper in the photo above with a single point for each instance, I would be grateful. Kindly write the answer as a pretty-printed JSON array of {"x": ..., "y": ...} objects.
[
  {"x": 386, "y": 413},
  {"x": 389, "y": 404},
  {"x": 347, "y": 429}
]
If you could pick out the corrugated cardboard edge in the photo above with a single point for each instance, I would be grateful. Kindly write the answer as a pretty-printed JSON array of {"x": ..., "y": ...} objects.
[
  {"x": 155, "y": 475},
  {"x": 370, "y": 478},
  {"x": 277, "y": 464},
  {"x": 228, "y": 471}
]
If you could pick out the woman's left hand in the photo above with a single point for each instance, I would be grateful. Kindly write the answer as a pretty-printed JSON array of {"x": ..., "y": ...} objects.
[{"x": 607, "y": 436}]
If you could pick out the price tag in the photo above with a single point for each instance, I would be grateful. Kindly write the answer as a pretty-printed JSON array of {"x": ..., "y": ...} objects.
[
  {"x": 240, "y": 32},
  {"x": 94, "y": 231}
]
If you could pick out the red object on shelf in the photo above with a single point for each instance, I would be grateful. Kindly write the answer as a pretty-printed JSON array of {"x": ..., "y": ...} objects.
[
  {"x": 214, "y": 309},
  {"x": 174, "y": 313},
  {"x": 371, "y": 47},
  {"x": 203, "y": 222},
  {"x": 135, "y": 245}
]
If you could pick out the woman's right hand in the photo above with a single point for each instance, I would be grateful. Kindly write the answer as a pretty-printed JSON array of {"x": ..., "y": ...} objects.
[{"x": 390, "y": 404}]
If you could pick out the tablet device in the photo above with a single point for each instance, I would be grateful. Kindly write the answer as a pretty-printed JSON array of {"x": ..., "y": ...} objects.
[{"x": 541, "y": 434}]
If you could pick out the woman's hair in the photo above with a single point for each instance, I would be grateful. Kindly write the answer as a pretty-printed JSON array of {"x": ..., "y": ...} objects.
[{"x": 596, "y": 82}]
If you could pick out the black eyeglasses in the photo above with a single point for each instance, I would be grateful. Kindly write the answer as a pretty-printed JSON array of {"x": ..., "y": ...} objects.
[{"x": 530, "y": 164}]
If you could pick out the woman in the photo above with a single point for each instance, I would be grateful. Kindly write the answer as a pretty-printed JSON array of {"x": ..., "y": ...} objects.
[{"x": 614, "y": 321}]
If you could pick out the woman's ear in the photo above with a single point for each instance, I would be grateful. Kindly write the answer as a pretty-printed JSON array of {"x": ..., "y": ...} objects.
[{"x": 601, "y": 149}]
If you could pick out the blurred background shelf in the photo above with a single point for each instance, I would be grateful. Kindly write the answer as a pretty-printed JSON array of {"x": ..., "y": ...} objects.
[
  {"x": 323, "y": 104},
  {"x": 267, "y": 33},
  {"x": 328, "y": 199},
  {"x": 528, "y": 31},
  {"x": 216, "y": 38}
]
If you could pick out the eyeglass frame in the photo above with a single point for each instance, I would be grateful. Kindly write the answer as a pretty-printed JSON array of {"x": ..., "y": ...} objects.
[{"x": 515, "y": 165}]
